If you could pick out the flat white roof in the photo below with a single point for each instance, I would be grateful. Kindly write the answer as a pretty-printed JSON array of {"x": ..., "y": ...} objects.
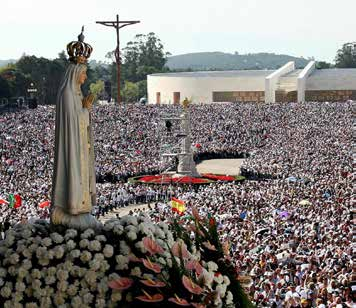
[
  {"x": 237, "y": 73},
  {"x": 334, "y": 73}
]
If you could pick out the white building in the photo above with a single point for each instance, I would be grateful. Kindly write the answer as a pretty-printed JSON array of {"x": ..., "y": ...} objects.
[{"x": 282, "y": 85}]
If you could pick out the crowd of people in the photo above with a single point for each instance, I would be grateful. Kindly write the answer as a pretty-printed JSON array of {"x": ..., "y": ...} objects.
[{"x": 289, "y": 224}]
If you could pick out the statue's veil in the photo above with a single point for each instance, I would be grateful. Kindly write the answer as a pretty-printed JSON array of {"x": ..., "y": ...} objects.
[{"x": 69, "y": 85}]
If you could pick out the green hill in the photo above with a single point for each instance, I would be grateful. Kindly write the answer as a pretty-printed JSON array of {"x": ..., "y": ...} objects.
[{"x": 227, "y": 61}]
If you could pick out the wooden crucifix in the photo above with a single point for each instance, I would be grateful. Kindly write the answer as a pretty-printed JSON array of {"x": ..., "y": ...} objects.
[{"x": 118, "y": 25}]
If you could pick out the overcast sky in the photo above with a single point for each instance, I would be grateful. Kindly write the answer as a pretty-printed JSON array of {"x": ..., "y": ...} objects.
[{"x": 309, "y": 28}]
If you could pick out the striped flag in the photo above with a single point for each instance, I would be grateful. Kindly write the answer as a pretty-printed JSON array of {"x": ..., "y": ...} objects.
[
  {"x": 178, "y": 206},
  {"x": 15, "y": 201}
]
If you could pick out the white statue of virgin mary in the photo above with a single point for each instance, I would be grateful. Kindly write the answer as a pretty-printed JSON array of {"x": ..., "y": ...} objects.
[{"x": 73, "y": 191}]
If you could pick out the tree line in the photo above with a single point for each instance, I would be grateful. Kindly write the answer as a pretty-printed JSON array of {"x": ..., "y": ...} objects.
[{"x": 143, "y": 56}]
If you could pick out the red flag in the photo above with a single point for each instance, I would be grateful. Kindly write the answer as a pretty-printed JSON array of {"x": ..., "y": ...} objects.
[
  {"x": 3, "y": 201},
  {"x": 18, "y": 201},
  {"x": 44, "y": 204}
]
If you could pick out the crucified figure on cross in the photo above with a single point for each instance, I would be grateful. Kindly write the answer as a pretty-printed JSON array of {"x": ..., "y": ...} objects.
[{"x": 117, "y": 24}]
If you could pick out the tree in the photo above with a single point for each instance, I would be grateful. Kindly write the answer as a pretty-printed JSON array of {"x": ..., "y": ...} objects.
[
  {"x": 4, "y": 88},
  {"x": 130, "y": 92},
  {"x": 323, "y": 65},
  {"x": 142, "y": 88},
  {"x": 97, "y": 88},
  {"x": 17, "y": 81},
  {"x": 145, "y": 55},
  {"x": 45, "y": 74},
  {"x": 346, "y": 56}
]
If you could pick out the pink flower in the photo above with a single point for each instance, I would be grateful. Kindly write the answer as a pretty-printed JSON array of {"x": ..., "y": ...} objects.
[
  {"x": 151, "y": 266},
  {"x": 153, "y": 283},
  {"x": 194, "y": 265},
  {"x": 150, "y": 298},
  {"x": 121, "y": 283},
  {"x": 179, "y": 301},
  {"x": 198, "y": 305},
  {"x": 209, "y": 246},
  {"x": 191, "y": 286},
  {"x": 151, "y": 246},
  {"x": 133, "y": 258},
  {"x": 179, "y": 249}
]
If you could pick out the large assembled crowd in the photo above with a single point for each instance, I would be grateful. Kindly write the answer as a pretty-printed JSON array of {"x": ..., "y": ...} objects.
[{"x": 289, "y": 224}]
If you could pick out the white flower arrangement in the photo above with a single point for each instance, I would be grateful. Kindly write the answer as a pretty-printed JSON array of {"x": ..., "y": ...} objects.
[
  {"x": 118, "y": 230},
  {"x": 47, "y": 241},
  {"x": 116, "y": 297},
  {"x": 90, "y": 277},
  {"x": 59, "y": 299},
  {"x": 88, "y": 233},
  {"x": 58, "y": 251},
  {"x": 212, "y": 266},
  {"x": 14, "y": 258},
  {"x": 62, "y": 275},
  {"x": 36, "y": 274},
  {"x": 124, "y": 248},
  {"x": 101, "y": 238},
  {"x": 3, "y": 272},
  {"x": 13, "y": 270},
  {"x": 132, "y": 236},
  {"x": 104, "y": 266},
  {"x": 136, "y": 271},
  {"x": 72, "y": 290},
  {"x": 64, "y": 268},
  {"x": 94, "y": 264},
  {"x": 76, "y": 302},
  {"x": 87, "y": 298},
  {"x": 57, "y": 238},
  {"x": 121, "y": 262},
  {"x": 70, "y": 234},
  {"x": 5, "y": 292},
  {"x": 108, "y": 251},
  {"x": 144, "y": 229},
  {"x": 85, "y": 256},
  {"x": 75, "y": 253},
  {"x": 84, "y": 243},
  {"x": 9, "y": 240},
  {"x": 31, "y": 305},
  {"x": 94, "y": 245},
  {"x": 70, "y": 245},
  {"x": 139, "y": 245}
]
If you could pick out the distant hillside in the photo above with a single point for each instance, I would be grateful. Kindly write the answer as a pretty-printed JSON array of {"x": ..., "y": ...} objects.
[
  {"x": 227, "y": 61},
  {"x": 6, "y": 62}
]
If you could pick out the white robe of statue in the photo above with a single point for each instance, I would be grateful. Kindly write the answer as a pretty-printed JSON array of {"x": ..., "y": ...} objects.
[{"x": 73, "y": 191}]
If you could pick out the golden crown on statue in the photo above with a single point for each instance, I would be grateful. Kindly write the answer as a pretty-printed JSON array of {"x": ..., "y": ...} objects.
[{"x": 78, "y": 51}]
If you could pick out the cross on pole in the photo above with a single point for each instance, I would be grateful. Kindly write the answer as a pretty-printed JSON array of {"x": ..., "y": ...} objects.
[{"x": 118, "y": 25}]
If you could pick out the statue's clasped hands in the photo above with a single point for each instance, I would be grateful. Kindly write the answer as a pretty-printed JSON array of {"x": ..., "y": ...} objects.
[{"x": 88, "y": 101}]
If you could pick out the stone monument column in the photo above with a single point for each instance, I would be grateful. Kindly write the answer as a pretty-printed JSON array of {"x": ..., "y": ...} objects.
[{"x": 186, "y": 164}]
